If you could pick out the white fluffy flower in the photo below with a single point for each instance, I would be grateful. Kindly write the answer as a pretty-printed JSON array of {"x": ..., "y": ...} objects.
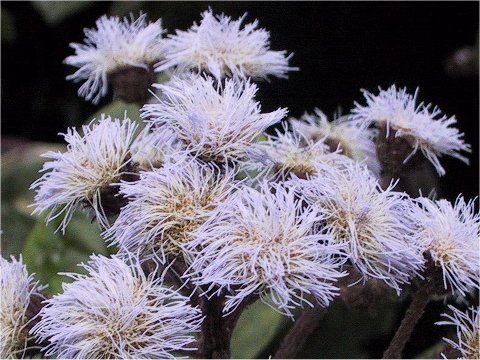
[
  {"x": 354, "y": 141},
  {"x": 224, "y": 48},
  {"x": 263, "y": 243},
  {"x": 114, "y": 45},
  {"x": 290, "y": 152},
  {"x": 424, "y": 128},
  {"x": 371, "y": 222},
  {"x": 166, "y": 205},
  {"x": 216, "y": 123},
  {"x": 468, "y": 331},
  {"x": 17, "y": 288},
  {"x": 116, "y": 311},
  {"x": 450, "y": 235},
  {"x": 85, "y": 172}
]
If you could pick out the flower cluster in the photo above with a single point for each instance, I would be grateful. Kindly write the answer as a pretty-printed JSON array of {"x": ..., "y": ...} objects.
[
  {"x": 224, "y": 48},
  {"x": 371, "y": 221},
  {"x": 116, "y": 44},
  {"x": 18, "y": 289},
  {"x": 215, "y": 122},
  {"x": 116, "y": 311},
  {"x": 424, "y": 128},
  {"x": 449, "y": 234},
  {"x": 264, "y": 243}
]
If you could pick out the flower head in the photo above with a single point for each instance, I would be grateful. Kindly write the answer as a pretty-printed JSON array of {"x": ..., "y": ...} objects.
[
  {"x": 468, "y": 331},
  {"x": 352, "y": 140},
  {"x": 371, "y": 222},
  {"x": 116, "y": 311},
  {"x": 215, "y": 123},
  {"x": 424, "y": 128},
  {"x": 262, "y": 242},
  {"x": 86, "y": 171},
  {"x": 291, "y": 153},
  {"x": 115, "y": 45},
  {"x": 450, "y": 235},
  {"x": 224, "y": 48},
  {"x": 166, "y": 205},
  {"x": 17, "y": 289}
]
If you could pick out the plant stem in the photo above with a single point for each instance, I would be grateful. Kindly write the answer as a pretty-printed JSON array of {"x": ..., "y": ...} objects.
[
  {"x": 412, "y": 315},
  {"x": 301, "y": 330}
]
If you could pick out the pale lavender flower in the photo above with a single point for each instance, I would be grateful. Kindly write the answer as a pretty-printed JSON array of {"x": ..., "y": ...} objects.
[
  {"x": 354, "y": 141},
  {"x": 262, "y": 242},
  {"x": 116, "y": 311},
  {"x": 288, "y": 153},
  {"x": 166, "y": 205},
  {"x": 450, "y": 235},
  {"x": 92, "y": 163},
  {"x": 468, "y": 331},
  {"x": 215, "y": 122},
  {"x": 371, "y": 222},
  {"x": 224, "y": 48},
  {"x": 423, "y": 127},
  {"x": 17, "y": 288},
  {"x": 114, "y": 45}
]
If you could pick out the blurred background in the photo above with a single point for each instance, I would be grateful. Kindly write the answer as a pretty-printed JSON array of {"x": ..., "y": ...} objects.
[{"x": 340, "y": 47}]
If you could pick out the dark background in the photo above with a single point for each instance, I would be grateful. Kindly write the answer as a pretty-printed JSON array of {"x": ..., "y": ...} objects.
[{"x": 340, "y": 47}]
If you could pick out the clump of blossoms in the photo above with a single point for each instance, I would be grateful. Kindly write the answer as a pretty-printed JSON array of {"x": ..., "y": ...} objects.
[
  {"x": 116, "y": 311},
  {"x": 449, "y": 234},
  {"x": 195, "y": 245},
  {"x": 289, "y": 153},
  {"x": 420, "y": 127},
  {"x": 352, "y": 140},
  {"x": 223, "y": 48},
  {"x": 372, "y": 222},
  {"x": 467, "y": 326},
  {"x": 166, "y": 205},
  {"x": 216, "y": 122},
  {"x": 19, "y": 293},
  {"x": 264, "y": 243},
  {"x": 118, "y": 50}
]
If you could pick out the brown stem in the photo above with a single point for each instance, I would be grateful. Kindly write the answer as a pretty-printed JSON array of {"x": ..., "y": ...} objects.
[
  {"x": 412, "y": 315},
  {"x": 217, "y": 329},
  {"x": 302, "y": 329}
]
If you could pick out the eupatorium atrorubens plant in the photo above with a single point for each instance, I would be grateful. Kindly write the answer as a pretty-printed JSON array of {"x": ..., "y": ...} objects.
[{"x": 216, "y": 203}]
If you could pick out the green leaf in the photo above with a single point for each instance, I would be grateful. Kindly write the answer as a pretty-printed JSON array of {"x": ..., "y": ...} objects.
[
  {"x": 118, "y": 109},
  {"x": 47, "y": 252},
  {"x": 255, "y": 329}
]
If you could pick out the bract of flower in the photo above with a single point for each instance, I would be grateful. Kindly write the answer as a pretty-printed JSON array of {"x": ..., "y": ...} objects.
[
  {"x": 166, "y": 205},
  {"x": 223, "y": 47},
  {"x": 114, "y": 45},
  {"x": 262, "y": 242},
  {"x": 354, "y": 141},
  {"x": 287, "y": 153},
  {"x": 450, "y": 235},
  {"x": 215, "y": 122},
  {"x": 81, "y": 175},
  {"x": 468, "y": 331},
  {"x": 116, "y": 311},
  {"x": 424, "y": 127},
  {"x": 371, "y": 222},
  {"x": 17, "y": 289},
  {"x": 153, "y": 147}
]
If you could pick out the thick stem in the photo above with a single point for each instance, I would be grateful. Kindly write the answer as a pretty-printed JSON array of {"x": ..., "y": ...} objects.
[
  {"x": 217, "y": 329},
  {"x": 412, "y": 315},
  {"x": 302, "y": 329}
]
